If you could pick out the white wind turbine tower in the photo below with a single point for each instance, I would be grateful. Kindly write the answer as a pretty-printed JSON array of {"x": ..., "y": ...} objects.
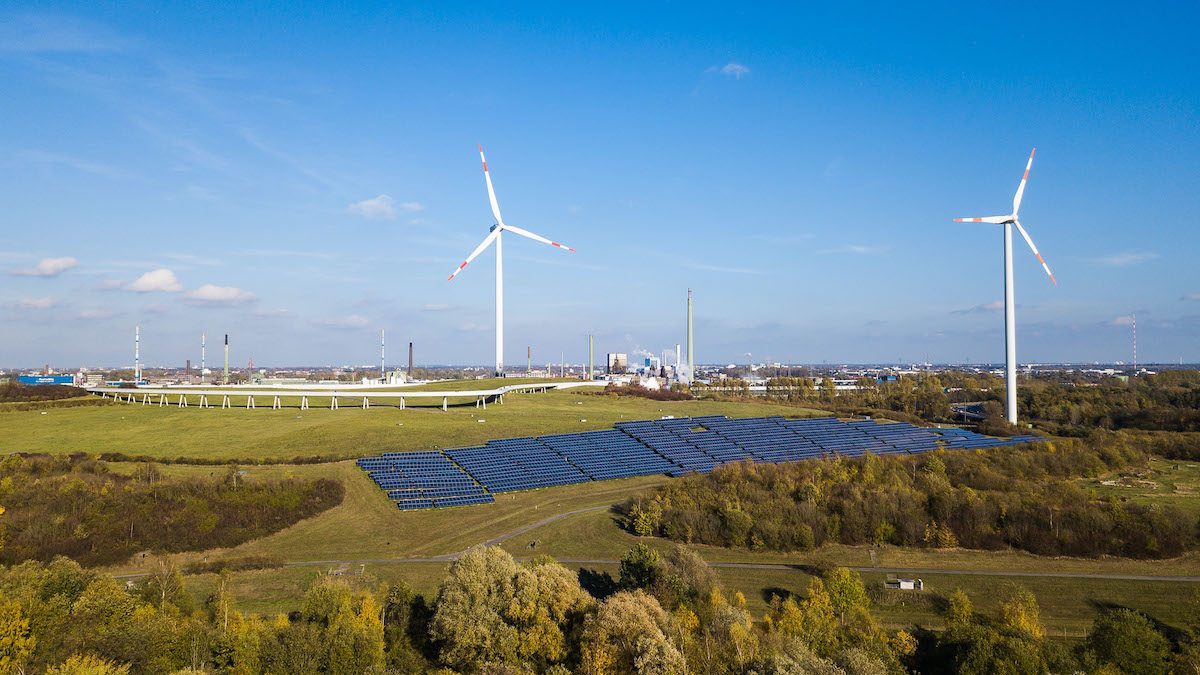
[
  {"x": 495, "y": 236},
  {"x": 1010, "y": 308}
]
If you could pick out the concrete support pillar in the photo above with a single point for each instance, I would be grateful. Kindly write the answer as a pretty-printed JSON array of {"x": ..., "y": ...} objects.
[
  {"x": 249, "y": 403},
  {"x": 225, "y": 402},
  {"x": 304, "y": 403},
  {"x": 183, "y": 401},
  {"x": 333, "y": 405},
  {"x": 444, "y": 401},
  {"x": 275, "y": 404}
]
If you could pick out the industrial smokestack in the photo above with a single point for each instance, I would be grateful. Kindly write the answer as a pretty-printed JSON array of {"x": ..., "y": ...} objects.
[
  {"x": 137, "y": 353},
  {"x": 410, "y": 370},
  {"x": 225, "y": 376},
  {"x": 528, "y": 360},
  {"x": 691, "y": 363},
  {"x": 203, "y": 353},
  {"x": 382, "y": 372},
  {"x": 591, "y": 352}
]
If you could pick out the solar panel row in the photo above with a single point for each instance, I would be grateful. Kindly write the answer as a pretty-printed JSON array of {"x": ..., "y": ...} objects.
[
  {"x": 423, "y": 480},
  {"x": 673, "y": 446}
]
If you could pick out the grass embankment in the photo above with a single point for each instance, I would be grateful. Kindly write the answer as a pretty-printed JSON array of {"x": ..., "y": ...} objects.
[
  {"x": 263, "y": 434},
  {"x": 1173, "y": 482},
  {"x": 367, "y": 527}
]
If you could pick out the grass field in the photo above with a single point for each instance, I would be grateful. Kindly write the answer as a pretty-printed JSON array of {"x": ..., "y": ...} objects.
[
  {"x": 1166, "y": 481},
  {"x": 415, "y": 546},
  {"x": 265, "y": 434}
]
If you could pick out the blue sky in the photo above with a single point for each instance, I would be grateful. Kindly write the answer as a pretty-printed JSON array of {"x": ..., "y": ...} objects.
[{"x": 307, "y": 175}]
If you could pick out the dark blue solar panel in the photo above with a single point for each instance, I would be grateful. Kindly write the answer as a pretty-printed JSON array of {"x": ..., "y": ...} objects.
[{"x": 672, "y": 446}]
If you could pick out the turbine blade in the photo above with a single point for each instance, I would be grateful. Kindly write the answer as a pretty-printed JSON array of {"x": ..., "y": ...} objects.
[
  {"x": 478, "y": 249},
  {"x": 1029, "y": 241},
  {"x": 1021, "y": 186},
  {"x": 998, "y": 220},
  {"x": 491, "y": 191},
  {"x": 537, "y": 237}
]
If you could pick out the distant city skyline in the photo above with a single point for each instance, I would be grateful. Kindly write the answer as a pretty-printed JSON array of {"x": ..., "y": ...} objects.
[{"x": 303, "y": 177}]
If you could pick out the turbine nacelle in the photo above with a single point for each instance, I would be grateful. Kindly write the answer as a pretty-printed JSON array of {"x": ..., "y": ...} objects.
[{"x": 1011, "y": 219}]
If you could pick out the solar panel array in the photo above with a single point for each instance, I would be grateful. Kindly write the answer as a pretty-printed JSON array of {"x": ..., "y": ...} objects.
[
  {"x": 516, "y": 464},
  {"x": 423, "y": 480},
  {"x": 672, "y": 446}
]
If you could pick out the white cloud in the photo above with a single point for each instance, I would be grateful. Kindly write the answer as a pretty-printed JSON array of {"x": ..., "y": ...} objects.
[
  {"x": 1125, "y": 258},
  {"x": 383, "y": 207},
  {"x": 352, "y": 321},
  {"x": 161, "y": 279},
  {"x": 856, "y": 249},
  {"x": 732, "y": 69},
  {"x": 48, "y": 267},
  {"x": 214, "y": 296},
  {"x": 993, "y": 306},
  {"x": 1122, "y": 321},
  {"x": 35, "y": 303}
]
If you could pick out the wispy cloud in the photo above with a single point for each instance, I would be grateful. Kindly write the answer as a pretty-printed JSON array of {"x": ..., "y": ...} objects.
[
  {"x": 96, "y": 314},
  {"x": 435, "y": 307},
  {"x": 703, "y": 267},
  {"x": 210, "y": 295},
  {"x": 856, "y": 249},
  {"x": 45, "y": 33},
  {"x": 270, "y": 313},
  {"x": 1126, "y": 320},
  {"x": 987, "y": 307},
  {"x": 383, "y": 207},
  {"x": 160, "y": 280},
  {"x": 1191, "y": 296},
  {"x": 276, "y": 253},
  {"x": 1124, "y": 259},
  {"x": 48, "y": 267},
  {"x": 35, "y": 303},
  {"x": 350, "y": 322},
  {"x": 193, "y": 259},
  {"x": 45, "y": 158},
  {"x": 732, "y": 69}
]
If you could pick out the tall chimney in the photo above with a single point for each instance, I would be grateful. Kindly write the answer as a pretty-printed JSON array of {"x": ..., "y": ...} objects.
[
  {"x": 225, "y": 376},
  {"x": 591, "y": 352},
  {"x": 203, "y": 353},
  {"x": 691, "y": 363},
  {"x": 410, "y": 372},
  {"x": 137, "y": 354},
  {"x": 382, "y": 372}
]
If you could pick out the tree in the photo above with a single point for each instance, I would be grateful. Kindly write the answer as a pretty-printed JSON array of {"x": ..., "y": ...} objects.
[
  {"x": 86, "y": 664},
  {"x": 641, "y": 567},
  {"x": 16, "y": 639},
  {"x": 846, "y": 592},
  {"x": 492, "y": 610},
  {"x": 960, "y": 614},
  {"x": 1020, "y": 613},
  {"x": 629, "y": 634},
  {"x": 1127, "y": 640}
]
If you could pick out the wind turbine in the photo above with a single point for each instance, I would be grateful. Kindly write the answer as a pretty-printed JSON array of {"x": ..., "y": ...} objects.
[
  {"x": 1010, "y": 306},
  {"x": 494, "y": 235}
]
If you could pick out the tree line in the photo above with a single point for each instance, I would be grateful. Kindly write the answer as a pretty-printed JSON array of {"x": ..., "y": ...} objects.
[
  {"x": 76, "y": 506},
  {"x": 1025, "y": 497},
  {"x": 1069, "y": 404},
  {"x": 664, "y": 614}
]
